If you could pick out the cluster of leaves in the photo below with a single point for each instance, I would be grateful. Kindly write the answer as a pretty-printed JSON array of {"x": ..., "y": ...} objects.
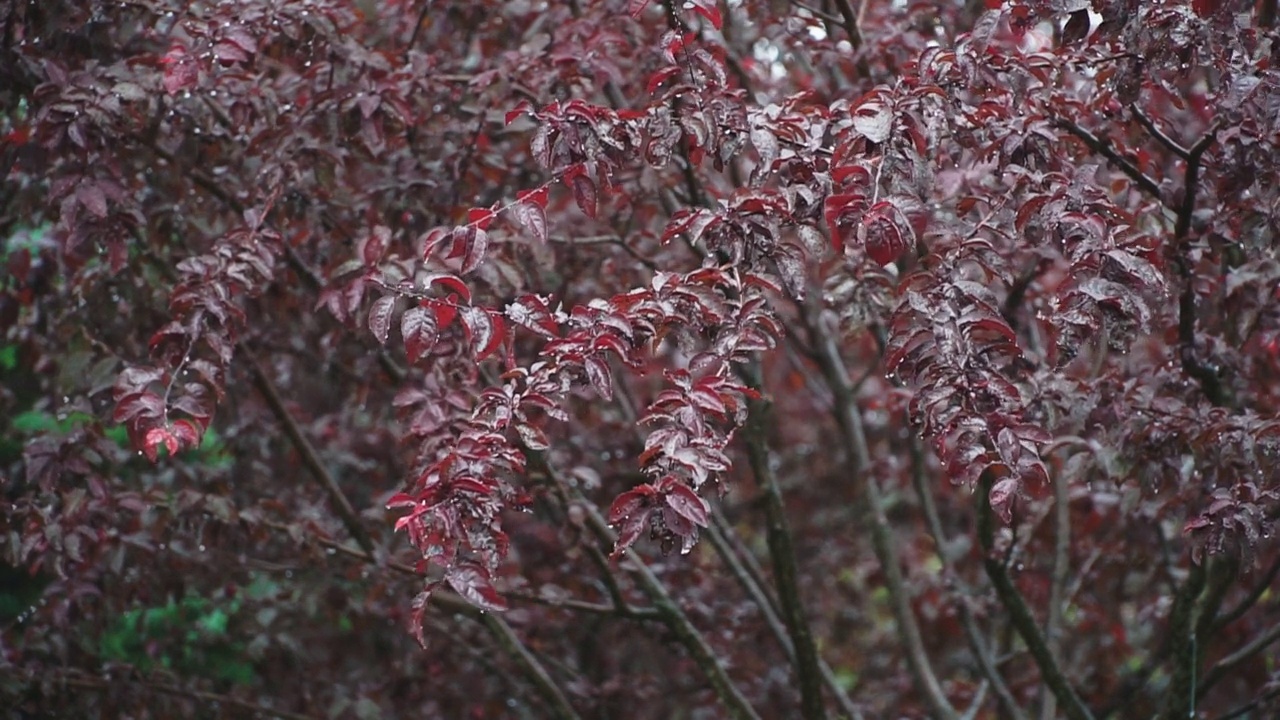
[{"x": 918, "y": 329}]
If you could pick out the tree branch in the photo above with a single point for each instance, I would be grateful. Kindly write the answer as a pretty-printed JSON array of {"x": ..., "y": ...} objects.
[
  {"x": 674, "y": 617},
  {"x": 1019, "y": 614},
  {"x": 852, "y": 21},
  {"x": 1249, "y": 707},
  {"x": 986, "y": 664},
  {"x": 1058, "y": 583},
  {"x": 87, "y": 682},
  {"x": 307, "y": 452},
  {"x": 1249, "y": 600},
  {"x": 1159, "y": 134},
  {"x": 455, "y": 605},
  {"x": 782, "y": 552},
  {"x": 717, "y": 533},
  {"x": 1105, "y": 149},
  {"x": 1208, "y": 377},
  {"x": 872, "y": 500},
  {"x": 1224, "y": 666}
]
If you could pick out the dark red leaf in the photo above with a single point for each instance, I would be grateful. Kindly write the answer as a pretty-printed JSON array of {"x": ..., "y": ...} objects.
[
  {"x": 584, "y": 193},
  {"x": 474, "y": 583},
  {"x": 484, "y": 329},
  {"x": 420, "y": 332},
  {"x": 600, "y": 375},
  {"x": 380, "y": 317},
  {"x": 157, "y": 438},
  {"x": 688, "y": 504}
]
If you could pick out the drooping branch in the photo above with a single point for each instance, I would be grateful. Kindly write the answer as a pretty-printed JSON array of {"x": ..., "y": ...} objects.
[
  {"x": 1019, "y": 613},
  {"x": 502, "y": 632}
]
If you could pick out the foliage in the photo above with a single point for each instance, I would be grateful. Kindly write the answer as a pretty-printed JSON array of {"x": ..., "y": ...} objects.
[{"x": 627, "y": 358}]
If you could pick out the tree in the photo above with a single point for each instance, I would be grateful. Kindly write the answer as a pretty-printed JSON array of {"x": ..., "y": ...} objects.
[{"x": 640, "y": 359}]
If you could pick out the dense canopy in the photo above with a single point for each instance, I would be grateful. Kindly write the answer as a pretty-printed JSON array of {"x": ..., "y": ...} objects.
[{"x": 639, "y": 359}]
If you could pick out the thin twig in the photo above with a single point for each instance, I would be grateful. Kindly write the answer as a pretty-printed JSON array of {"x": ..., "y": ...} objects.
[
  {"x": 1226, "y": 664},
  {"x": 678, "y": 621},
  {"x": 1249, "y": 600},
  {"x": 1249, "y": 707},
  {"x": 626, "y": 611},
  {"x": 1173, "y": 145},
  {"x": 417, "y": 28},
  {"x": 720, "y": 541},
  {"x": 455, "y": 605}
]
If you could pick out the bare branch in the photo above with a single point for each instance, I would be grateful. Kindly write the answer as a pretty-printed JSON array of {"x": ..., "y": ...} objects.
[
  {"x": 1249, "y": 707},
  {"x": 671, "y": 613},
  {"x": 1159, "y": 134},
  {"x": 1207, "y": 375},
  {"x": 1249, "y": 600},
  {"x": 1225, "y": 665},
  {"x": 1058, "y": 583},
  {"x": 625, "y": 611},
  {"x": 677, "y": 620},
  {"x": 852, "y": 21},
  {"x": 455, "y": 605}
]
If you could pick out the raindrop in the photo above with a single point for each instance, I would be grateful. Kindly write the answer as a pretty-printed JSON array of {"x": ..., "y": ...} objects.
[
  {"x": 201, "y": 548},
  {"x": 288, "y": 573}
]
